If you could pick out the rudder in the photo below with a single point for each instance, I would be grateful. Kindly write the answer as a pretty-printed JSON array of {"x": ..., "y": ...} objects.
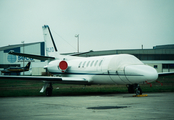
[
  {"x": 50, "y": 46},
  {"x": 28, "y": 65}
]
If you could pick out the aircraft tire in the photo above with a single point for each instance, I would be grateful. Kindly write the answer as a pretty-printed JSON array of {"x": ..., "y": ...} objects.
[
  {"x": 131, "y": 88},
  {"x": 138, "y": 91},
  {"x": 48, "y": 91}
]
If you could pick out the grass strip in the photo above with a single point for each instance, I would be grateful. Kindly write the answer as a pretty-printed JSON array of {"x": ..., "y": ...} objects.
[{"x": 19, "y": 88}]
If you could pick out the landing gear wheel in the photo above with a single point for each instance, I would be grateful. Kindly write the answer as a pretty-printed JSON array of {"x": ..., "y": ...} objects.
[
  {"x": 138, "y": 91},
  {"x": 135, "y": 88},
  {"x": 131, "y": 88},
  {"x": 48, "y": 91}
]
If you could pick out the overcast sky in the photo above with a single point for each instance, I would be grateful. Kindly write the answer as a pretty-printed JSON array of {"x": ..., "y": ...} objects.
[{"x": 101, "y": 24}]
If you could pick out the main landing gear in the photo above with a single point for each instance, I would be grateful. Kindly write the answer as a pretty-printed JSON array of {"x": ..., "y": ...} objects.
[
  {"x": 49, "y": 90},
  {"x": 135, "y": 88}
]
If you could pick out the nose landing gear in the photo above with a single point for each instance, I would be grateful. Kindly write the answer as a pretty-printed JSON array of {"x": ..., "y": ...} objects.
[
  {"x": 138, "y": 90},
  {"x": 135, "y": 88}
]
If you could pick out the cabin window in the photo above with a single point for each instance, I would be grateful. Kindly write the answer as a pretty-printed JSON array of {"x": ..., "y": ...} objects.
[
  {"x": 80, "y": 64},
  {"x": 92, "y": 63},
  {"x": 87, "y": 63},
  {"x": 84, "y": 64},
  {"x": 96, "y": 63},
  {"x": 100, "y": 62}
]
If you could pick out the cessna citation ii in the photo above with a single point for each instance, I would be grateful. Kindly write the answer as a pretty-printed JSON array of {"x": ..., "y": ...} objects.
[{"x": 112, "y": 69}]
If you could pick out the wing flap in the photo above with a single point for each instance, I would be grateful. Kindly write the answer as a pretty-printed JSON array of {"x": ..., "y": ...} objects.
[
  {"x": 73, "y": 80},
  {"x": 39, "y": 57}
]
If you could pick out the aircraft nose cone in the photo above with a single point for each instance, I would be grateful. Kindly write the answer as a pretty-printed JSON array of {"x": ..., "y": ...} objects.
[{"x": 141, "y": 72}]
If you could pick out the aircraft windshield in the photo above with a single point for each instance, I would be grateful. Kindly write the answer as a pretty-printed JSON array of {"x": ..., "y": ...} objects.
[{"x": 120, "y": 61}]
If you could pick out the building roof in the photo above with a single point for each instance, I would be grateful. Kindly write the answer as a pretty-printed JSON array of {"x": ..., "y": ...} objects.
[
  {"x": 170, "y": 46},
  {"x": 17, "y": 45},
  {"x": 128, "y": 51}
]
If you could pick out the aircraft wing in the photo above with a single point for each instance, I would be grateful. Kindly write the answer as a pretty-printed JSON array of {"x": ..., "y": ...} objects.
[
  {"x": 165, "y": 74},
  {"x": 62, "y": 80},
  {"x": 39, "y": 57}
]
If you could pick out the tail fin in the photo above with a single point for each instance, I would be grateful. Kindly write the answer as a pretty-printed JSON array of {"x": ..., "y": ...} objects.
[
  {"x": 50, "y": 46},
  {"x": 28, "y": 65}
]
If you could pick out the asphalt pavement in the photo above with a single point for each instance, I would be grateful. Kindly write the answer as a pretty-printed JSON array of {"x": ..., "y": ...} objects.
[{"x": 158, "y": 106}]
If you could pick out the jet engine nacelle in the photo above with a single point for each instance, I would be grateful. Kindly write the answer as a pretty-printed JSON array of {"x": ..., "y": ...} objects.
[{"x": 57, "y": 66}]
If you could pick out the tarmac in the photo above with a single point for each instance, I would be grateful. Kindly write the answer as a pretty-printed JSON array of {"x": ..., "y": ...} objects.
[{"x": 156, "y": 106}]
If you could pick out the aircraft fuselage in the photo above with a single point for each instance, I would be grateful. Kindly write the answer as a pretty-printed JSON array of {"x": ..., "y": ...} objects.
[{"x": 112, "y": 69}]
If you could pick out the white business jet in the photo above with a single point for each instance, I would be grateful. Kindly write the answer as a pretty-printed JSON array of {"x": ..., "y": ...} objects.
[{"x": 112, "y": 69}]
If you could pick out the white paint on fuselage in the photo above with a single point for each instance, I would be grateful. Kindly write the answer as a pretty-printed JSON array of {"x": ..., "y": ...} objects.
[{"x": 114, "y": 69}]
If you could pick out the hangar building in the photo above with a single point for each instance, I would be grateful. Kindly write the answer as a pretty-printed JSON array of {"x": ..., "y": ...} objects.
[
  {"x": 7, "y": 60},
  {"x": 160, "y": 57}
]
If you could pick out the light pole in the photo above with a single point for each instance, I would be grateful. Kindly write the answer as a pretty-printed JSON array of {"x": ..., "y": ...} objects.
[
  {"x": 77, "y": 36},
  {"x": 23, "y": 57}
]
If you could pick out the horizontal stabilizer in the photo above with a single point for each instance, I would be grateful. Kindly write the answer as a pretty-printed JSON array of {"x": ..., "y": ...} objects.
[{"x": 39, "y": 57}]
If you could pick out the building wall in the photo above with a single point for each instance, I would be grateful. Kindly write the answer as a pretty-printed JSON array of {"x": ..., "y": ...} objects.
[
  {"x": 2, "y": 57},
  {"x": 8, "y": 60},
  {"x": 38, "y": 70},
  {"x": 161, "y": 66},
  {"x": 157, "y": 66}
]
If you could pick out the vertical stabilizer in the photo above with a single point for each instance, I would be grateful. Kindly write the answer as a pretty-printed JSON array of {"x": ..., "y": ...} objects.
[
  {"x": 50, "y": 46},
  {"x": 28, "y": 65}
]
